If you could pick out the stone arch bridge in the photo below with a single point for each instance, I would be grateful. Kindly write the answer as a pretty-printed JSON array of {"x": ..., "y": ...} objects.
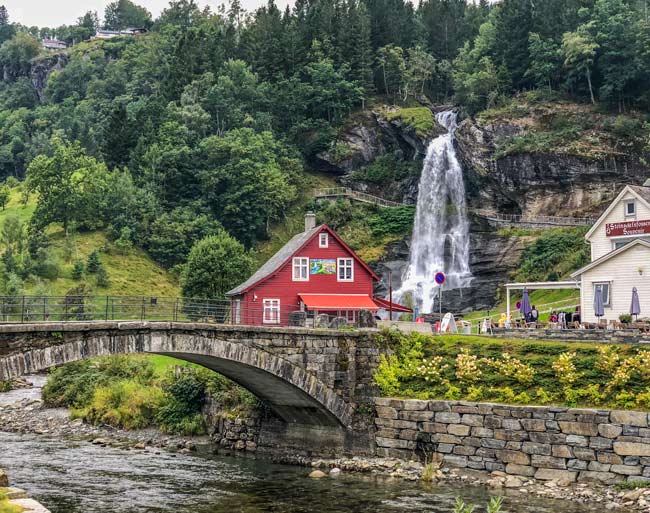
[{"x": 307, "y": 377}]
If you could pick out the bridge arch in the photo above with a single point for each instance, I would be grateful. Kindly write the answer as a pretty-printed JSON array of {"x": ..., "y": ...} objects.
[{"x": 294, "y": 394}]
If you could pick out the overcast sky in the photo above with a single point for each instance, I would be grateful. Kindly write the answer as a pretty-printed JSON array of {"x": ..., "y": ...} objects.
[{"x": 52, "y": 13}]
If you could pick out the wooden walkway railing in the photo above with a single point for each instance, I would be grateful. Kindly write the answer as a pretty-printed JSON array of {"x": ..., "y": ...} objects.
[{"x": 333, "y": 192}]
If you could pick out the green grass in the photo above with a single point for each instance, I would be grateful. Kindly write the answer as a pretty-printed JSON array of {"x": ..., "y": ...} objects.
[
  {"x": 5, "y": 506},
  {"x": 402, "y": 375},
  {"x": 132, "y": 274},
  {"x": 162, "y": 363},
  {"x": 420, "y": 118},
  {"x": 544, "y": 300}
]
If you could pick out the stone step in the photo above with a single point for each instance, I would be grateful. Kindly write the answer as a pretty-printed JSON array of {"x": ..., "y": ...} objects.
[
  {"x": 30, "y": 506},
  {"x": 14, "y": 493}
]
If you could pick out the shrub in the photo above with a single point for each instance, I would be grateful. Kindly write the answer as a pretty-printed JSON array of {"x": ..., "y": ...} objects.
[
  {"x": 554, "y": 252},
  {"x": 103, "y": 280},
  {"x": 625, "y": 318},
  {"x": 93, "y": 264},
  {"x": 77, "y": 270},
  {"x": 123, "y": 404},
  {"x": 467, "y": 369},
  {"x": 565, "y": 369}
]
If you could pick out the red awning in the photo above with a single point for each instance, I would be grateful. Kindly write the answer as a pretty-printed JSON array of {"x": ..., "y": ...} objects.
[
  {"x": 336, "y": 302},
  {"x": 385, "y": 304}
]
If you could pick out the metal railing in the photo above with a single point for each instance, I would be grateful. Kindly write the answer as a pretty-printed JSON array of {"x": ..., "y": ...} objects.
[
  {"x": 540, "y": 220},
  {"x": 34, "y": 309},
  {"x": 333, "y": 192}
]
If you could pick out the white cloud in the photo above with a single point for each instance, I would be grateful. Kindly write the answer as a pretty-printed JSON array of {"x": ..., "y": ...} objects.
[{"x": 52, "y": 13}]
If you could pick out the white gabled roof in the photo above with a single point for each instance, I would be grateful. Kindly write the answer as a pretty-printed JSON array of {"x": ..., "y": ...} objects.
[
  {"x": 609, "y": 255},
  {"x": 641, "y": 193}
]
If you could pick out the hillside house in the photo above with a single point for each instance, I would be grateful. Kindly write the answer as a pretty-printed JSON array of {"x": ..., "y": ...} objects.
[
  {"x": 315, "y": 273},
  {"x": 53, "y": 44},
  {"x": 620, "y": 256}
]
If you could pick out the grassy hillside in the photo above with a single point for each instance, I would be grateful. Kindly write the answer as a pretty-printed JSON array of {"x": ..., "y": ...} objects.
[{"x": 133, "y": 273}]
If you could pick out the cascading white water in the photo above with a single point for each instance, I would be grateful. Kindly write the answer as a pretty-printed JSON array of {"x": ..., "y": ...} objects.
[{"x": 440, "y": 240}]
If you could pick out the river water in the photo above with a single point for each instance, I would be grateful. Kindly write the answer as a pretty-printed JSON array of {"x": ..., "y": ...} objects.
[{"x": 74, "y": 476}]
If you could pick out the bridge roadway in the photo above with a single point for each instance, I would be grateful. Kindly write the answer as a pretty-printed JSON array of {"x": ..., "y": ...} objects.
[{"x": 306, "y": 376}]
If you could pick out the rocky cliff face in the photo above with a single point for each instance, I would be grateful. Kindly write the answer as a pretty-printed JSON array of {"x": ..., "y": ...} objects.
[
  {"x": 42, "y": 68},
  {"x": 540, "y": 183}
]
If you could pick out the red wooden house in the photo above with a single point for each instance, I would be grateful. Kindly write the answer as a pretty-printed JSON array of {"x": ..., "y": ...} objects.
[{"x": 315, "y": 272}]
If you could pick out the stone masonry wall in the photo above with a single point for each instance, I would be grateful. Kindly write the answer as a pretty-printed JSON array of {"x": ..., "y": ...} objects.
[{"x": 547, "y": 443}]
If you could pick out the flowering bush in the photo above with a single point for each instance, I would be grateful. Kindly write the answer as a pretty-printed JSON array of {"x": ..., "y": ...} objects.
[
  {"x": 642, "y": 363},
  {"x": 565, "y": 369},
  {"x": 431, "y": 369},
  {"x": 608, "y": 359},
  {"x": 467, "y": 370},
  {"x": 510, "y": 367}
]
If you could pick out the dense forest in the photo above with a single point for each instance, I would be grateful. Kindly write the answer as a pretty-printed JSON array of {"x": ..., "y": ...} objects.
[{"x": 209, "y": 121}]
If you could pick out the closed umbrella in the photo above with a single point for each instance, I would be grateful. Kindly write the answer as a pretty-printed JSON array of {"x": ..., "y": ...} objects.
[
  {"x": 635, "y": 307},
  {"x": 599, "y": 308},
  {"x": 525, "y": 307}
]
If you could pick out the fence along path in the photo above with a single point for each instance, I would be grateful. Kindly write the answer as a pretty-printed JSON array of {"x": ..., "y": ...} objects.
[{"x": 334, "y": 192}]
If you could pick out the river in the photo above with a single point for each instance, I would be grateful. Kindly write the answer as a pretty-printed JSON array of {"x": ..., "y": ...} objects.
[{"x": 74, "y": 476}]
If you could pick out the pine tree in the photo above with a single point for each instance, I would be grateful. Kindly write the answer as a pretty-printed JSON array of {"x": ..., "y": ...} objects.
[
  {"x": 103, "y": 280},
  {"x": 77, "y": 270},
  {"x": 93, "y": 263}
]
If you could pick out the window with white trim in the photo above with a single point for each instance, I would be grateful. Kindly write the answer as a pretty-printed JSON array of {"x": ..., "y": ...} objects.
[
  {"x": 301, "y": 269},
  {"x": 323, "y": 240},
  {"x": 604, "y": 288},
  {"x": 345, "y": 269},
  {"x": 630, "y": 208},
  {"x": 237, "y": 311},
  {"x": 271, "y": 311}
]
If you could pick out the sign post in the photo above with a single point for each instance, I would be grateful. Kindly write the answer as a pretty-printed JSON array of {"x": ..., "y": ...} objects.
[{"x": 440, "y": 279}]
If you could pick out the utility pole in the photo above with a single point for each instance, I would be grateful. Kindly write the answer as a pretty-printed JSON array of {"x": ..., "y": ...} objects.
[{"x": 390, "y": 293}]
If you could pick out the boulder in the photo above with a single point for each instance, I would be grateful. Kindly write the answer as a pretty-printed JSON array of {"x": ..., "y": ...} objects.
[{"x": 317, "y": 474}]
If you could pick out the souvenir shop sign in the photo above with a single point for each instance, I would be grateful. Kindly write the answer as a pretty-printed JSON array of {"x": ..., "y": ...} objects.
[
  {"x": 322, "y": 266},
  {"x": 628, "y": 228}
]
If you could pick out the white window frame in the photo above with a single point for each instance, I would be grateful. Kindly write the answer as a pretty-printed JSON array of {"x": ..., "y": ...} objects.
[
  {"x": 341, "y": 265},
  {"x": 300, "y": 269},
  {"x": 627, "y": 204},
  {"x": 323, "y": 240},
  {"x": 271, "y": 311},
  {"x": 237, "y": 311},
  {"x": 608, "y": 302}
]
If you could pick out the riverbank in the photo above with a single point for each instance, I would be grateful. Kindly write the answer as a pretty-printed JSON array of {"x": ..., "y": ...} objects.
[
  {"x": 30, "y": 416},
  {"x": 15, "y": 499}
]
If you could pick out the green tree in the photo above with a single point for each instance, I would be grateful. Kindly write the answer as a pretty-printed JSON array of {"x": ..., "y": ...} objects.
[
  {"x": 5, "y": 194},
  {"x": 7, "y": 30},
  {"x": 579, "y": 50},
  {"x": 545, "y": 60},
  {"x": 77, "y": 270},
  {"x": 93, "y": 263},
  {"x": 16, "y": 55},
  {"x": 215, "y": 265},
  {"x": 13, "y": 233},
  {"x": 248, "y": 179},
  {"x": 103, "y": 280},
  {"x": 123, "y": 14},
  {"x": 70, "y": 185}
]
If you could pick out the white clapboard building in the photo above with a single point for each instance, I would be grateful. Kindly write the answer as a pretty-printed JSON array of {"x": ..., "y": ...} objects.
[{"x": 620, "y": 257}]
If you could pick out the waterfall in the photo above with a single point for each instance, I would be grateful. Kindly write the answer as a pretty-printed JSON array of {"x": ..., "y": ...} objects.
[{"x": 440, "y": 240}]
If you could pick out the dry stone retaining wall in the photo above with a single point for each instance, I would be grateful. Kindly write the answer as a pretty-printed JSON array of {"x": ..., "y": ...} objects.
[{"x": 547, "y": 443}]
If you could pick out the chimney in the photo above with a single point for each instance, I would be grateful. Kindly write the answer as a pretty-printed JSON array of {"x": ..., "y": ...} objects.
[{"x": 310, "y": 221}]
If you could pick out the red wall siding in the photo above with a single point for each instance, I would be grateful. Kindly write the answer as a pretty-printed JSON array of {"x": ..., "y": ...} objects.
[{"x": 281, "y": 286}]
